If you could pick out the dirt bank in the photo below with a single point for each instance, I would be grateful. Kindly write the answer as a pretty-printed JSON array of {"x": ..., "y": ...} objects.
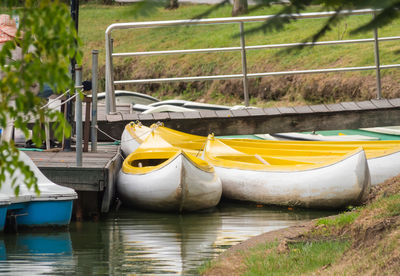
[{"x": 374, "y": 236}]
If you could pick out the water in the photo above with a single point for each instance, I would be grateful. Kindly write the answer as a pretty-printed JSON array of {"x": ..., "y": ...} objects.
[{"x": 138, "y": 242}]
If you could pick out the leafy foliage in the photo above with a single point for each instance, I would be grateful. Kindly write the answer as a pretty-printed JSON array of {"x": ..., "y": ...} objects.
[{"x": 47, "y": 40}]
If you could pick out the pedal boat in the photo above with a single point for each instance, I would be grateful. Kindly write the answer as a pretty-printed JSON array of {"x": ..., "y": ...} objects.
[
  {"x": 4, "y": 202},
  {"x": 52, "y": 206},
  {"x": 158, "y": 176}
]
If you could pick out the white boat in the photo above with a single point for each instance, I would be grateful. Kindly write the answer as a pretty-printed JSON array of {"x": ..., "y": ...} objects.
[
  {"x": 167, "y": 108},
  {"x": 339, "y": 182},
  {"x": 128, "y": 97},
  {"x": 318, "y": 137},
  {"x": 191, "y": 105},
  {"x": 391, "y": 130},
  {"x": 51, "y": 207},
  {"x": 160, "y": 177}
]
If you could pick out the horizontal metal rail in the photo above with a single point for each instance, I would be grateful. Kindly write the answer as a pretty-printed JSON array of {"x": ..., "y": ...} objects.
[
  {"x": 110, "y": 83},
  {"x": 255, "y": 75},
  {"x": 256, "y": 47},
  {"x": 227, "y": 20}
]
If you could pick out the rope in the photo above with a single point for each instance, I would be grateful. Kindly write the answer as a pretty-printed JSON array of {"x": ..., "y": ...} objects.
[
  {"x": 64, "y": 102},
  {"x": 115, "y": 140},
  {"x": 52, "y": 101},
  {"x": 203, "y": 147}
]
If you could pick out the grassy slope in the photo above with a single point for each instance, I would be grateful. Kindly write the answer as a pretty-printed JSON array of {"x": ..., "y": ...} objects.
[
  {"x": 364, "y": 241},
  {"x": 94, "y": 19}
]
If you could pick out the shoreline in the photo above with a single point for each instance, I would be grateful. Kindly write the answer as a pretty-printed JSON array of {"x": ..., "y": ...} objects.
[
  {"x": 371, "y": 232},
  {"x": 230, "y": 261}
]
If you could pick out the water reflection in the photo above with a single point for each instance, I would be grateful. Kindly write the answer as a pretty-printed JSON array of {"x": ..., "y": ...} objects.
[
  {"x": 165, "y": 243},
  {"x": 138, "y": 242},
  {"x": 35, "y": 253}
]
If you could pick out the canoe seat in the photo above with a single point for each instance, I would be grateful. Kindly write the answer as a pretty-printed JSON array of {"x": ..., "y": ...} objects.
[{"x": 139, "y": 163}]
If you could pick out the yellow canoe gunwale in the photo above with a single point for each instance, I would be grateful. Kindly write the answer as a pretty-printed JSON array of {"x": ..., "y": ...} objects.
[
  {"x": 131, "y": 130},
  {"x": 372, "y": 149},
  {"x": 193, "y": 143},
  {"x": 232, "y": 164},
  {"x": 169, "y": 155}
]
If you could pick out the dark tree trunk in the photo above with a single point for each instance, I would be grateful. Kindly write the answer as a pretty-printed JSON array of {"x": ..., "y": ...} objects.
[
  {"x": 239, "y": 7},
  {"x": 172, "y": 4}
]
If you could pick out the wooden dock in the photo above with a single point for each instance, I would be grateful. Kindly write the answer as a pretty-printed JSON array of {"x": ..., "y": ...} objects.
[{"x": 94, "y": 181}]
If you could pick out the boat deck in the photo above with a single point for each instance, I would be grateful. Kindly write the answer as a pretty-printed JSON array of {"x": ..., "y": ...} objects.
[{"x": 94, "y": 181}]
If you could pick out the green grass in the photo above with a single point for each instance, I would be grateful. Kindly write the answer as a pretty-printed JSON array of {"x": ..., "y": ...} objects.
[
  {"x": 302, "y": 258},
  {"x": 386, "y": 206},
  {"x": 205, "y": 266},
  {"x": 339, "y": 220},
  {"x": 94, "y": 19}
]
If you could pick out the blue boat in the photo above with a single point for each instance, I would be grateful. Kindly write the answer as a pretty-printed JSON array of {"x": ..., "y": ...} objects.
[
  {"x": 4, "y": 203},
  {"x": 51, "y": 207}
]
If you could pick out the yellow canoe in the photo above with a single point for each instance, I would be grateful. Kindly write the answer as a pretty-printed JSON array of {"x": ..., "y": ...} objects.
[
  {"x": 329, "y": 179},
  {"x": 159, "y": 176},
  {"x": 382, "y": 156},
  {"x": 341, "y": 180}
]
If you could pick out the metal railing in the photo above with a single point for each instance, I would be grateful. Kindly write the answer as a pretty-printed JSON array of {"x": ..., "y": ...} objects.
[{"x": 110, "y": 82}]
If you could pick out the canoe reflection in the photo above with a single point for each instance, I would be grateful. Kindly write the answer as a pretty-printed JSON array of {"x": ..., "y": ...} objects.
[{"x": 171, "y": 243}]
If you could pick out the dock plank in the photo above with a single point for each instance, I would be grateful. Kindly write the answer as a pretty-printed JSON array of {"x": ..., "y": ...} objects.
[
  {"x": 60, "y": 167},
  {"x": 346, "y": 115}
]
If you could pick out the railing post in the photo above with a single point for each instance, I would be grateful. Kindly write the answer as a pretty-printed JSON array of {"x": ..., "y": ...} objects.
[
  {"x": 78, "y": 115},
  {"x": 377, "y": 63},
  {"x": 95, "y": 59},
  {"x": 244, "y": 66},
  {"x": 110, "y": 96}
]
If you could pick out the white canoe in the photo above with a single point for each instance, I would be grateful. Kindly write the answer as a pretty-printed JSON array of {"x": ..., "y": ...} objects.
[
  {"x": 167, "y": 108},
  {"x": 391, "y": 130},
  {"x": 333, "y": 184},
  {"x": 318, "y": 137},
  {"x": 160, "y": 177},
  {"x": 128, "y": 97},
  {"x": 191, "y": 105},
  {"x": 132, "y": 137},
  {"x": 383, "y": 157}
]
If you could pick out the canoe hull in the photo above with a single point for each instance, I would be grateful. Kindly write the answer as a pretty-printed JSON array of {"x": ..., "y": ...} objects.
[
  {"x": 384, "y": 168},
  {"x": 178, "y": 186},
  {"x": 333, "y": 186},
  {"x": 132, "y": 137},
  {"x": 128, "y": 143}
]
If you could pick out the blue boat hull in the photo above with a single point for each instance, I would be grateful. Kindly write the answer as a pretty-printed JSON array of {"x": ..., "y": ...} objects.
[
  {"x": 43, "y": 213},
  {"x": 3, "y": 213}
]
